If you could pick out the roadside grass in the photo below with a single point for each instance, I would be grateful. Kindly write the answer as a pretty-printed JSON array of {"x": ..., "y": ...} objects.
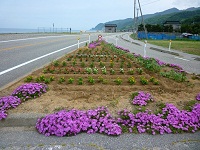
[
  {"x": 191, "y": 47},
  {"x": 184, "y": 45}
]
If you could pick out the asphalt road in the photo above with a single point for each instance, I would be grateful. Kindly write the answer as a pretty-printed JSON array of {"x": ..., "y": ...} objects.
[
  {"x": 21, "y": 54},
  {"x": 29, "y": 139}
]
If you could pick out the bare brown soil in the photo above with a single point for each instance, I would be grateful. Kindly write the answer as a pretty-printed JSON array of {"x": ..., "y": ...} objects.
[{"x": 101, "y": 93}]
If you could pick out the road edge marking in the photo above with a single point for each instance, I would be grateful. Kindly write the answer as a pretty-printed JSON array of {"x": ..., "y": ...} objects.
[{"x": 182, "y": 58}]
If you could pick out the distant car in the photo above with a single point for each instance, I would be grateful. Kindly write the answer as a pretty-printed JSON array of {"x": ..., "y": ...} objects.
[{"x": 186, "y": 35}]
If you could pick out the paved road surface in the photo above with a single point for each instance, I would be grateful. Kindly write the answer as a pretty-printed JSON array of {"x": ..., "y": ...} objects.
[{"x": 28, "y": 139}]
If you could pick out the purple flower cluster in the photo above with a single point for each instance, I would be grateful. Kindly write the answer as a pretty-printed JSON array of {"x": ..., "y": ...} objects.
[
  {"x": 6, "y": 103},
  {"x": 142, "y": 98},
  {"x": 160, "y": 63},
  {"x": 198, "y": 97},
  {"x": 30, "y": 90},
  {"x": 171, "y": 120},
  {"x": 123, "y": 49},
  {"x": 75, "y": 121},
  {"x": 175, "y": 66},
  {"x": 94, "y": 44}
]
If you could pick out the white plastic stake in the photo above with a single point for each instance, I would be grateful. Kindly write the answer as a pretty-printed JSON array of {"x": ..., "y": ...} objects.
[
  {"x": 78, "y": 42},
  {"x": 170, "y": 43},
  {"x": 145, "y": 45},
  {"x": 116, "y": 41}
]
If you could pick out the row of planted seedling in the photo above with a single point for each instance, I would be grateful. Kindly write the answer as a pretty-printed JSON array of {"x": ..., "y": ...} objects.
[
  {"x": 92, "y": 80},
  {"x": 92, "y": 64},
  {"x": 95, "y": 70}
]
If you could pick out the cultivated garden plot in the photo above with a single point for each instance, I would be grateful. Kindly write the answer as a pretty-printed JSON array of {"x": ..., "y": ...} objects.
[{"x": 102, "y": 75}]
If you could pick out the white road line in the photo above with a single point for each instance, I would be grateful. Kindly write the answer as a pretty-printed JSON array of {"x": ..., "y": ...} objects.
[
  {"x": 44, "y": 37},
  {"x": 182, "y": 58},
  {"x": 30, "y": 61}
]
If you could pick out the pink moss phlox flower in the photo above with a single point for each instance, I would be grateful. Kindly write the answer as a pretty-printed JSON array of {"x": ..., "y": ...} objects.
[
  {"x": 30, "y": 90},
  {"x": 160, "y": 63},
  {"x": 3, "y": 114},
  {"x": 123, "y": 49},
  {"x": 198, "y": 97},
  {"x": 142, "y": 98},
  {"x": 6, "y": 103},
  {"x": 175, "y": 66},
  {"x": 170, "y": 120},
  {"x": 72, "y": 122}
]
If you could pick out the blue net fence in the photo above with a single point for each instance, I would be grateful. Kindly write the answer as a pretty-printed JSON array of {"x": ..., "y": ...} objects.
[{"x": 156, "y": 36}]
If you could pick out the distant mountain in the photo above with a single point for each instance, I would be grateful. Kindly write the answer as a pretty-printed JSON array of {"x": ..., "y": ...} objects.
[
  {"x": 157, "y": 18},
  {"x": 181, "y": 16}
]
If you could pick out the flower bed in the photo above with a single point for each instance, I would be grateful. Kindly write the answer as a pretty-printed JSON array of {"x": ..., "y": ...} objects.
[
  {"x": 75, "y": 121},
  {"x": 171, "y": 120},
  {"x": 22, "y": 93}
]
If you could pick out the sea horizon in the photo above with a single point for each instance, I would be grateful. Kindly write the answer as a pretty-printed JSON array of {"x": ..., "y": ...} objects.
[{"x": 36, "y": 30}]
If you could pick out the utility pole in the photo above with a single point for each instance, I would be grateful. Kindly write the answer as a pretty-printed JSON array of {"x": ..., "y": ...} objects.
[
  {"x": 137, "y": 20},
  {"x": 134, "y": 26},
  {"x": 143, "y": 20},
  {"x": 53, "y": 27}
]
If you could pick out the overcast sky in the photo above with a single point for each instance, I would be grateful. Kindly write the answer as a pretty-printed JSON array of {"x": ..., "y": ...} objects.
[{"x": 77, "y": 14}]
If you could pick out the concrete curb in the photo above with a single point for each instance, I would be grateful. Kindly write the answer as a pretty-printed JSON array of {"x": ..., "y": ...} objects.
[{"x": 20, "y": 120}]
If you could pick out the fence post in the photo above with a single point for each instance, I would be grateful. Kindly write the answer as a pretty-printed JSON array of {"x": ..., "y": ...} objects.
[
  {"x": 145, "y": 45},
  {"x": 170, "y": 43}
]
